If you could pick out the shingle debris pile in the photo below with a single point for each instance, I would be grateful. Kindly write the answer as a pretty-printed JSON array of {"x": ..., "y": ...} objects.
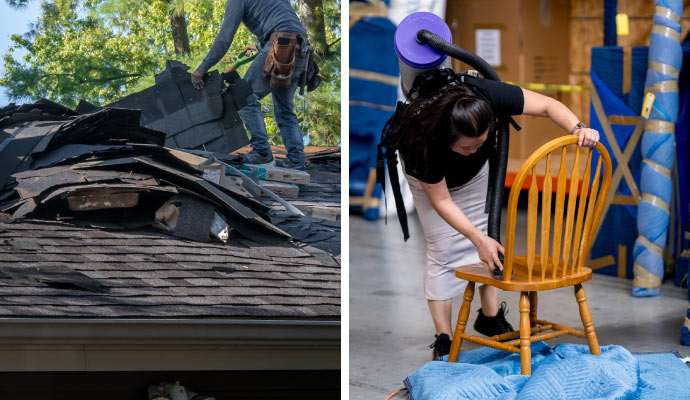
[
  {"x": 104, "y": 170},
  {"x": 206, "y": 119}
]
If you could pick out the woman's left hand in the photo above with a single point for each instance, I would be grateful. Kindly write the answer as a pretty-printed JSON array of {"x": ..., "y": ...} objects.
[{"x": 587, "y": 137}]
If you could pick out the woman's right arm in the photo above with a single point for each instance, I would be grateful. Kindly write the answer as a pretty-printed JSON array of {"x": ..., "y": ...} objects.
[{"x": 440, "y": 200}]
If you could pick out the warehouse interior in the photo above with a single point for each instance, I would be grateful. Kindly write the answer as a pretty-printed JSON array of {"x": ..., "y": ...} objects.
[{"x": 594, "y": 56}]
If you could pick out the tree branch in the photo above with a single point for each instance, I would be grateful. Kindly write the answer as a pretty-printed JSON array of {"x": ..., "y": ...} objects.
[
  {"x": 334, "y": 42},
  {"x": 99, "y": 80}
]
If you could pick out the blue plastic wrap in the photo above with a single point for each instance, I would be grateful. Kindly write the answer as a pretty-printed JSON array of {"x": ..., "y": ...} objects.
[
  {"x": 658, "y": 140},
  {"x": 371, "y": 101}
]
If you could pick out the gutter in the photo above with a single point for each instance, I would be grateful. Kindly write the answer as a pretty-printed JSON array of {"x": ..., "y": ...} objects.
[{"x": 311, "y": 333}]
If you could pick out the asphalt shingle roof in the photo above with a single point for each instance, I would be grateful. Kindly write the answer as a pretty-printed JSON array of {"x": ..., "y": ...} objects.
[
  {"x": 150, "y": 274},
  {"x": 113, "y": 264}
]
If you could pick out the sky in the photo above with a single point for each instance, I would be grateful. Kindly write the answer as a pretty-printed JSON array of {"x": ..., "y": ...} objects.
[{"x": 14, "y": 22}]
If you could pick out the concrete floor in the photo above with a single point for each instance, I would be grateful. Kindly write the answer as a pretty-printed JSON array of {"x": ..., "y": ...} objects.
[{"x": 391, "y": 329}]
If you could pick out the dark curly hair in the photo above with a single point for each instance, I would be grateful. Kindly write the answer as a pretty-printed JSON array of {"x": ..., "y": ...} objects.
[{"x": 442, "y": 117}]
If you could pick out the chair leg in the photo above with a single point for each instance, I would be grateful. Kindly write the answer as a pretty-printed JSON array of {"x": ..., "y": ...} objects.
[
  {"x": 463, "y": 315},
  {"x": 586, "y": 318},
  {"x": 533, "y": 308},
  {"x": 525, "y": 331}
]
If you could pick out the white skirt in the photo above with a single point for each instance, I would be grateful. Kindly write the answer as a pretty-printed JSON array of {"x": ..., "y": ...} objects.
[{"x": 447, "y": 248}]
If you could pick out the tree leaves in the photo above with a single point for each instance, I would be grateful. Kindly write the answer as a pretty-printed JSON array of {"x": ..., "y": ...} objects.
[{"x": 102, "y": 50}]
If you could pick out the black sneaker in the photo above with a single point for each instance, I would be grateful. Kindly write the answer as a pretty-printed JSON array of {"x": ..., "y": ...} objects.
[
  {"x": 492, "y": 326},
  {"x": 441, "y": 346},
  {"x": 256, "y": 158},
  {"x": 287, "y": 163}
]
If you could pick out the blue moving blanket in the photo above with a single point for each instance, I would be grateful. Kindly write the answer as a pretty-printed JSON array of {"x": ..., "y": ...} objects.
[{"x": 566, "y": 371}]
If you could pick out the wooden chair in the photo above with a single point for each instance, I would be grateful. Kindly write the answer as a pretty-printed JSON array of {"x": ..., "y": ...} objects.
[{"x": 532, "y": 273}]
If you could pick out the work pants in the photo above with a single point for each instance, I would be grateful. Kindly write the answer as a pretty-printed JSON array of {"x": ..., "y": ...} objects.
[{"x": 283, "y": 107}]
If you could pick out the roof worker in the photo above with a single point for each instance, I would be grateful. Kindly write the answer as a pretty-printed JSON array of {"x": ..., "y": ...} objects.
[
  {"x": 276, "y": 70},
  {"x": 447, "y": 138}
]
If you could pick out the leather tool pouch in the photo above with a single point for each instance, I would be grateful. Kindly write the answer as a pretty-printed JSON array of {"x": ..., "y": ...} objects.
[{"x": 280, "y": 62}]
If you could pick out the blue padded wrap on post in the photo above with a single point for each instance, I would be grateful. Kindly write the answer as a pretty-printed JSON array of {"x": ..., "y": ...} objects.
[{"x": 658, "y": 140}]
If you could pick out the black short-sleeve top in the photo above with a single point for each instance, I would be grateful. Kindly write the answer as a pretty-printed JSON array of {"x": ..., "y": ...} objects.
[{"x": 442, "y": 162}]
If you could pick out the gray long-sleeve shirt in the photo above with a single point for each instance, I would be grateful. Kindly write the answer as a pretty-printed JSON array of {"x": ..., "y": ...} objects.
[{"x": 262, "y": 17}]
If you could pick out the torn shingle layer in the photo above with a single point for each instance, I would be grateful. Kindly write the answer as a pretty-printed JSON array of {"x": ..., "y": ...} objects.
[{"x": 107, "y": 147}]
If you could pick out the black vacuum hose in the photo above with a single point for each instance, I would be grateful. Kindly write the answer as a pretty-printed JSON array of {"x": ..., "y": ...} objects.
[
  {"x": 457, "y": 52},
  {"x": 499, "y": 159}
]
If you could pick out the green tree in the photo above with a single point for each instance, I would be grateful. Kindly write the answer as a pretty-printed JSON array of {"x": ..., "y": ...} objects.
[
  {"x": 102, "y": 50},
  {"x": 311, "y": 14},
  {"x": 18, "y": 3}
]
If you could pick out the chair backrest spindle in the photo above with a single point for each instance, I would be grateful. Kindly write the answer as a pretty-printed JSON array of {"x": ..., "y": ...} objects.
[
  {"x": 546, "y": 217},
  {"x": 571, "y": 238},
  {"x": 592, "y": 217},
  {"x": 570, "y": 216},
  {"x": 582, "y": 203},
  {"x": 558, "y": 218},
  {"x": 533, "y": 205}
]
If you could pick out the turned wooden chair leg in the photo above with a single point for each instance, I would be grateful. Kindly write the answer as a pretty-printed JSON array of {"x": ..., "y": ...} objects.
[
  {"x": 533, "y": 308},
  {"x": 587, "y": 320},
  {"x": 463, "y": 315},
  {"x": 525, "y": 330}
]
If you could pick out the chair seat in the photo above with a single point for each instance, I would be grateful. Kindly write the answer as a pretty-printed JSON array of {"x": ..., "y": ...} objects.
[{"x": 480, "y": 273}]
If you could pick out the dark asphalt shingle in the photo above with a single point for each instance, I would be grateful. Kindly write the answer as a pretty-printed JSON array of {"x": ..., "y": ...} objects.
[{"x": 151, "y": 275}]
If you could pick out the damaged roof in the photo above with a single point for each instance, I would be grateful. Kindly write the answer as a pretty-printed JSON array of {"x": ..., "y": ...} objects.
[
  {"x": 78, "y": 197},
  {"x": 54, "y": 269}
]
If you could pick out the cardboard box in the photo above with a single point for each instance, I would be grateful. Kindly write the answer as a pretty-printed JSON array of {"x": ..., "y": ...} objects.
[{"x": 534, "y": 48}]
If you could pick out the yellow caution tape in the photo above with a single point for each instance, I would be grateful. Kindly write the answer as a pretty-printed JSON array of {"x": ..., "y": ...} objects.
[
  {"x": 622, "y": 25},
  {"x": 547, "y": 87},
  {"x": 647, "y": 104}
]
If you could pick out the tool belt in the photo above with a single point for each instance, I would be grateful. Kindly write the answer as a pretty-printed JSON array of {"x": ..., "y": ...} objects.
[{"x": 280, "y": 62}]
